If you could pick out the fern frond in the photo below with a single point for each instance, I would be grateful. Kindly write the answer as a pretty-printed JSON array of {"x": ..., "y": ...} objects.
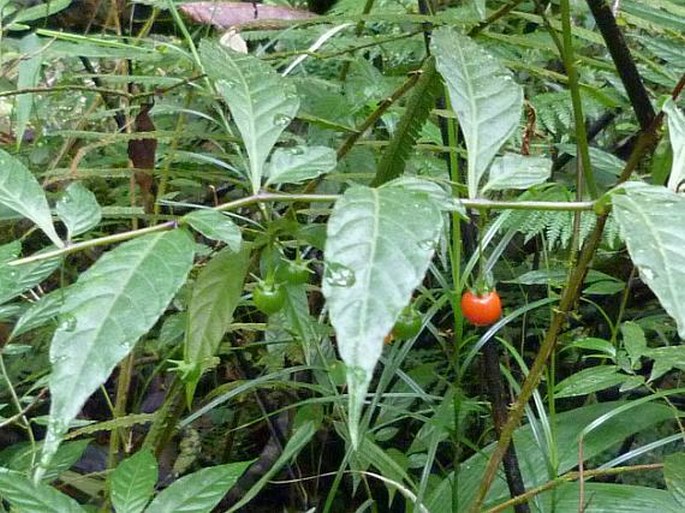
[{"x": 419, "y": 106}]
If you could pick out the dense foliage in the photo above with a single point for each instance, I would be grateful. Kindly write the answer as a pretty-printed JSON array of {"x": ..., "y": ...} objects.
[{"x": 234, "y": 260}]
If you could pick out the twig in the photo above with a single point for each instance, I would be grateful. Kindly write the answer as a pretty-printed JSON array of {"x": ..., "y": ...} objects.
[{"x": 623, "y": 61}]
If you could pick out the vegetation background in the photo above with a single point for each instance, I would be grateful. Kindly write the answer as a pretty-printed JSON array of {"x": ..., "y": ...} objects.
[{"x": 235, "y": 240}]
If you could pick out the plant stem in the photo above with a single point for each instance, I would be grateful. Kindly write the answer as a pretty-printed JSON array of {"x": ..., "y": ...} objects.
[
  {"x": 573, "y": 83},
  {"x": 568, "y": 477},
  {"x": 569, "y": 296}
]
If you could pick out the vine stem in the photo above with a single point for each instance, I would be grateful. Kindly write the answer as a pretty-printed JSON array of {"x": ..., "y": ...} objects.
[{"x": 263, "y": 197}]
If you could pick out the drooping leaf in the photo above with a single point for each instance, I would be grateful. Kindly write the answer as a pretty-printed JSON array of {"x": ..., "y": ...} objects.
[
  {"x": 261, "y": 102},
  {"x": 214, "y": 298},
  {"x": 484, "y": 95},
  {"x": 20, "y": 191},
  {"x": 379, "y": 245},
  {"x": 295, "y": 165},
  {"x": 78, "y": 209},
  {"x": 674, "y": 473},
  {"x": 216, "y": 226},
  {"x": 105, "y": 312},
  {"x": 28, "y": 497},
  {"x": 514, "y": 171},
  {"x": 133, "y": 482},
  {"x": 198, "y": 492},
  {"x": 676, "y": 132},
  {"x": 645, "y": 214},
  {"x": 28, "y": 70},
  {"x": 419, "y": 106}
]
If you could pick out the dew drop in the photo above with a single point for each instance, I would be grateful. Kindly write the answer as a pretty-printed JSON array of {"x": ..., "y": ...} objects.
[
  {"x": 282, "y": 120},
  {"x": 67, "y": 323},
  {"x": 296, "y": 150},
  {"x": 427, "y": 244},
  {"x": 339, "y": 275},
  {"x": 648, "y": 273}
]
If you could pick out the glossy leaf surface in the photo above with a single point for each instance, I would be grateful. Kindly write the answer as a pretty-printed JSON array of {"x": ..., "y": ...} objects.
[
  {"x": 379, "y": 245},
  {"x": 646, "y": 214},
  {"x": 484, "y": 95},
  {"x": 261, "y": 102},
  {"x": 110, "y": 307}
]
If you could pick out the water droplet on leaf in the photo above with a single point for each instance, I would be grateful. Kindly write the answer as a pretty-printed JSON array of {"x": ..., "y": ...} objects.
[
  {"x": 282, "y": 120},
  {"x": 339, "y": 275},
  {"x": 67, "y": 323}
]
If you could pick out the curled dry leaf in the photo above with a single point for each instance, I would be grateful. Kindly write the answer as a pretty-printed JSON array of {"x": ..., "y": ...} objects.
[{"x": 223, "y": 15}]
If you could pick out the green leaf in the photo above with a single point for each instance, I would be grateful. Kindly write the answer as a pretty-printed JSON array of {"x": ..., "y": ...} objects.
[
  {"x": 676, "y": 132},
  {"x": 215, "y": 295},
  {"x": 665, "y": 359},
  {"x": 28, "y": 497},
  {"x": 105, "y": 312},
  {"x": 442, "y": 198},
  {"x": 590, "y": 380},
  {"x": 301, "y": 436},
  {"x": 484, "y": 95},
  {"x": 378, "y": 247},
  {"x": 608, "y": 498},
  {"x": 645, "y": 214},
  {"x": 28, "y": 71},
  {"x": 17, "y": 279},
  {"x": 23, "y": 458},
  {"x": 133, "y": 482},
  {"x": 674, "y": 473},
  {"x": 20, "y": 191},
  {"x": 37, "y": 12},
  {"x": 419, "y": 106},
  {"x": 261, "y": 102},
  {"x": 78, "y": 209},
  {"x": 39, "y": 313},
  {"x": 295, "y": 165},
  {"x": 634, "y": 342},
  {"x": 198, "y": 492},
  {"x": 514, "y": 171},
  {"x": 216, "y": 226}
]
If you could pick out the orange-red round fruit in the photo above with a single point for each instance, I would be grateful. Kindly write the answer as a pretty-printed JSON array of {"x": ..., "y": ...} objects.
[{"x": 481, "y": 310}]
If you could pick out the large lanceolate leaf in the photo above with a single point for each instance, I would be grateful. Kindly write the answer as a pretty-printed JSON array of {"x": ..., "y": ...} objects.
[
  {"x": 105, "y": 312},
  {"x": 676, "y": 132},
  {"x": 379, "y": 245},
  {"x": 483, "y": 94},
  {"x": 28, "y": 497},
  {"x": 261, "y": 102},
  {"x": 21, "y": 192},
  {"x": 647, "y": 216}
]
